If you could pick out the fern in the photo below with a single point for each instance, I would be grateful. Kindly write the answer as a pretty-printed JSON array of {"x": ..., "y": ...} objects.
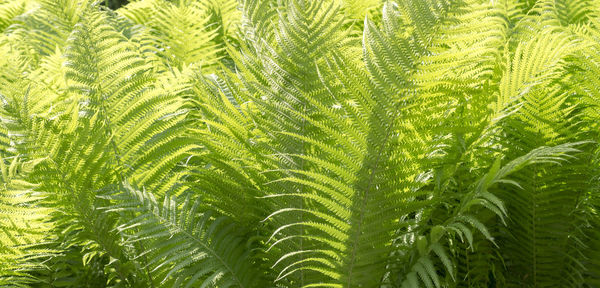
[
  {"x": 186, "y": 248},
  {"x": 24, "y": 238},
  {"x": 295, "y": 143},
  {"x": 183, "y": 31}
]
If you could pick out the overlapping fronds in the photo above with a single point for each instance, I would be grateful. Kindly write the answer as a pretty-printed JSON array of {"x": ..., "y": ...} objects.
[
  {"x": 185, "y": 247},
  {"x": 24, "y": 226},
  {"x": 297, "y": 143},
  {"x": 9, "y": 10},
  {"x": 38, "y": 31},
  {"x": 187, "y": 32}
]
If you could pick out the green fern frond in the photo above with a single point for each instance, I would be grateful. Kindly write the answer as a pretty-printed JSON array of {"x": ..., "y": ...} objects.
[
  {"x": 259, "y": 19},
  {"x": 40, "y": 30},
  {"x": 11, "y": 9},
  {"x": 24, "y": 233},
  {"x": 186, "y": 248},
  {"x": 112, "y": 102},
  {"x": 184, "y": 32},
  {"x": 119, "y": 88},
  {"x": 535, "y": 62},
  {"x": 548, "y": 115}
]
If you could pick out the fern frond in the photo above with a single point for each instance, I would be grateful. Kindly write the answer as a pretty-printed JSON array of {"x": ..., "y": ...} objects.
[
  {"x": 534, "y": 63},
  {"x": 185, "y": 247},
  {"x": 259, "y": 20},
  {"x": 40, "y": 30},
  {"x": 548, "y": 115},
  {"x": 117, "y": 86},
  {"x": 111, "y": 101},
  {"x": 24, "y": 233},
  {"x": 184, "y": 32},
  {"x": 11, "y": 9}
]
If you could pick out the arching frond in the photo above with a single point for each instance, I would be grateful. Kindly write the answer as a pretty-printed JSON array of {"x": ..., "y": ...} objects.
[
  {"x": 297, "y": 143},
  {"x": 24, "y": 232},
  {"x": 185, "y": 32},
  {"x": 186, "y": 248},
  {"x": 40, "y": 30}
]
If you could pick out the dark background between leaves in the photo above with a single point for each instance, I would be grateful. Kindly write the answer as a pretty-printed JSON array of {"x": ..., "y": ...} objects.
[{"x": 114, "y": 4}]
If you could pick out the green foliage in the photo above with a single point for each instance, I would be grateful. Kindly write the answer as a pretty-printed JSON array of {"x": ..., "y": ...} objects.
[
  {"x": 25, "y": 242},
  {"x": 186, "y": 247},
  {"x": 296, "y": 143}
]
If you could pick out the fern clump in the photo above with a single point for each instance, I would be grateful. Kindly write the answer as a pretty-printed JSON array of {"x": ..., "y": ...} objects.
[{"x": 297, "y": 143}]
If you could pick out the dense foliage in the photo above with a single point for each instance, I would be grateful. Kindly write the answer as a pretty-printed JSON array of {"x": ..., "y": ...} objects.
[{"x": 299, "y": 143}]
